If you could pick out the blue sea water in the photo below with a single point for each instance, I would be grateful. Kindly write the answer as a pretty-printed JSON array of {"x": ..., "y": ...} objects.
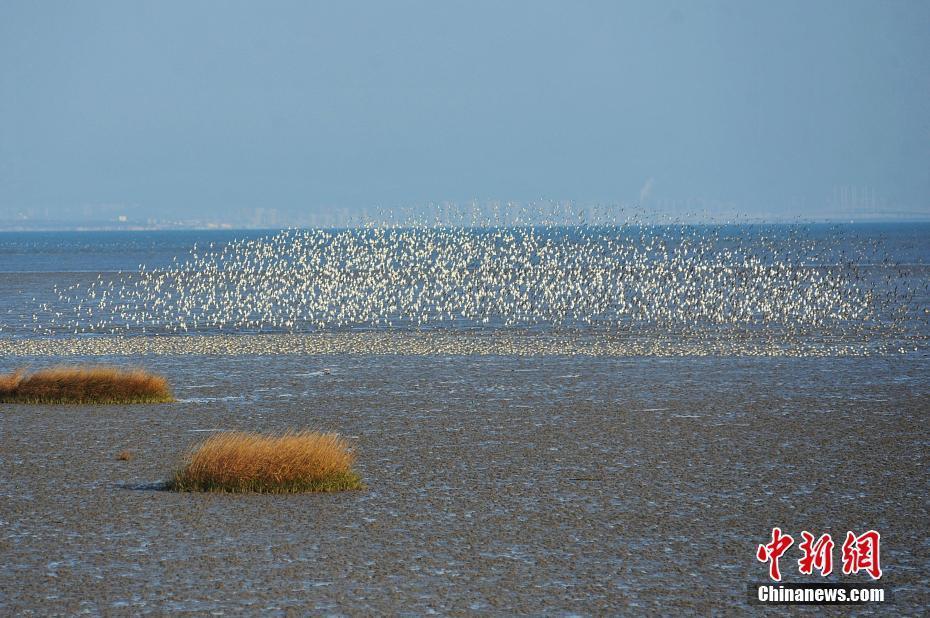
[
  {"x": 111, "y": 251},
  {"x": 98, "y": 252}
]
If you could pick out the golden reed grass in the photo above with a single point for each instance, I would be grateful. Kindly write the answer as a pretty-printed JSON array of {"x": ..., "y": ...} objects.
[
  {"x": 289, "y": 462},
  {"x": 99, "y": 385}
]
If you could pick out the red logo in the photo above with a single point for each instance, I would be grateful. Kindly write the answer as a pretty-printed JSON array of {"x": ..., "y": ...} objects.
[
  {"x": 860, "y": 553},
  {"x": 817, "y": 555},
  {"x": 773, "y": 551}
]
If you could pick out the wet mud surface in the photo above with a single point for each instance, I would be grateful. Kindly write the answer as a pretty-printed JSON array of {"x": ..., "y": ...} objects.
[{"x": 496, "y": 484}]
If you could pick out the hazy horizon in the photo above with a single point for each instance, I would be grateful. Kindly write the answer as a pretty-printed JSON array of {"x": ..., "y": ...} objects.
[{"x": 209, "y": 114}]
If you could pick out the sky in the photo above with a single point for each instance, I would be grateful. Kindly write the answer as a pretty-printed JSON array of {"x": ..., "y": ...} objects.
[{"x": 225, "y": 110}]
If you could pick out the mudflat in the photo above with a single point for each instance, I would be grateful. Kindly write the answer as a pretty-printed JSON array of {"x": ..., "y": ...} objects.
[{"x": 499, "y": 484}]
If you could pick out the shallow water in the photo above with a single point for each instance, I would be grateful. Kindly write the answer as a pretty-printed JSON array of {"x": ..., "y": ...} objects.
[{"x": 496, "y": 483}]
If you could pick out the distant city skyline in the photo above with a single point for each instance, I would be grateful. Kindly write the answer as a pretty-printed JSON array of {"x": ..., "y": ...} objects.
[{"x": 242, "y": 114}]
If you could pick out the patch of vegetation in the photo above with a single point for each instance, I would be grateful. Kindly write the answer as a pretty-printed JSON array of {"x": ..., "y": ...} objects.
[
  {"x": 84, "y": 385},
  {"x": 290, "y": 462}
]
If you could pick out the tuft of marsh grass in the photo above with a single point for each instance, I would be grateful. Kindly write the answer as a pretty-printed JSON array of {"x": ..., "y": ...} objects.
[
  {"x": 290, "y": 462},
  {"x": 86, "y": 385}
]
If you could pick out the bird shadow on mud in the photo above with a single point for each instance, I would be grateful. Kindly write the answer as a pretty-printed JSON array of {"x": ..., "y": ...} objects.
[{"x": 149, "y": 486}]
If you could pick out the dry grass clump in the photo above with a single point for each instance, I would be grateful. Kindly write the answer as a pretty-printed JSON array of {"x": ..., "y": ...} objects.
[
  {"x": 84, "y": 385},
  {"x": 290, "y": 462}
]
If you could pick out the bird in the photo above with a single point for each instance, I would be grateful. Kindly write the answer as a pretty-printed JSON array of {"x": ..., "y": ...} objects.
[{"x": 550, "y": 272}]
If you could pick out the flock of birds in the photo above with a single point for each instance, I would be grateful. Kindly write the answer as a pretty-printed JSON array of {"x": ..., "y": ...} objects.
[{"x": 778, "y": 283}]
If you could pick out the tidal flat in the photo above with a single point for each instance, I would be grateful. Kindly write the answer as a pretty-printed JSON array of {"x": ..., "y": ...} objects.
[{"x": 495, "y": 484}]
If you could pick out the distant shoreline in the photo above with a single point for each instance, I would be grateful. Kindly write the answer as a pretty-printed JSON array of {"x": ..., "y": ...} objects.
[{"x": 230, "y": 228}]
